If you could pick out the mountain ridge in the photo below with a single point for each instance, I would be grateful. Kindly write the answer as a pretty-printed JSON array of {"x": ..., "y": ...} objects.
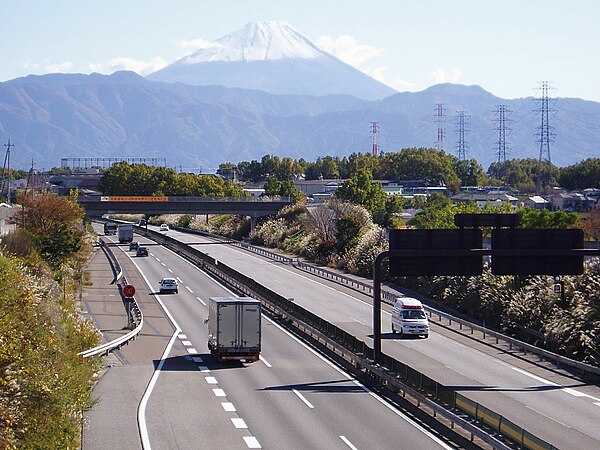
[{"x": 50, "y": 117}]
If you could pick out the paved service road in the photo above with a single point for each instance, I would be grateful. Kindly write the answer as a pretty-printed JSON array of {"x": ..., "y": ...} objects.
[
  {"x": 291, "y": 398},
  {"x": 561, "y": 410}
]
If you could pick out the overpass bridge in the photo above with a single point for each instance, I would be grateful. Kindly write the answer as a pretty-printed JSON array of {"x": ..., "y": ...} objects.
[{"x": 97, "y": 205}]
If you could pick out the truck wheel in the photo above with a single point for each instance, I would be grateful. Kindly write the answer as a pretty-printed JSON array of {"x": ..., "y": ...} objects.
[
  {"x": 426, "y": 335},
  {"x": 401, "y": 333},
  {"x": 393, "y": 329}
]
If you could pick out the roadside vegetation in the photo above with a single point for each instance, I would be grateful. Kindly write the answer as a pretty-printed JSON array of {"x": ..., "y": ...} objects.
[{"x": 44, "y": 387}]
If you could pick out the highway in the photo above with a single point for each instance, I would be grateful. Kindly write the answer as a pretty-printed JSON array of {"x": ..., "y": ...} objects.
[
  {"x": 292, "y": 398},
  {"x": 559, "y": 409}
]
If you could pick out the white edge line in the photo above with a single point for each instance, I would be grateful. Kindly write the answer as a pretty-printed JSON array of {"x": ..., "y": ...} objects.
[
  {"x": 142, "y": 406},
  {"x": 309, "y": 404},
  {"x": 366, "y": 389},
  {"x": 347, "y": 442},
  {"x": 266, "y": 363}
]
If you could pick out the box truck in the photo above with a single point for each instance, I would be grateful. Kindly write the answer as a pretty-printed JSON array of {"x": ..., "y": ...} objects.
[
  {"x": 408, "y": 317},
  {"x": 234, "y": 331},
  {"x": 125, "y": 233},
  {"x": 110, "y": 228}
]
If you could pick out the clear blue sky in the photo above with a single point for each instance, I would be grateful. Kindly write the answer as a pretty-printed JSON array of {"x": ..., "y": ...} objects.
[{"x": 506, "y": 47}]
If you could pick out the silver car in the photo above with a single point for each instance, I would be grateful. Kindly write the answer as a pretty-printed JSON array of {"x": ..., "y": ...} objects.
[{"x": 168, "y": 285}]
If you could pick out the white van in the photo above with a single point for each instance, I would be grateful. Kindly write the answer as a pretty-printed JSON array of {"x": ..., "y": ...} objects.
[{"x": 408, "y": 317}]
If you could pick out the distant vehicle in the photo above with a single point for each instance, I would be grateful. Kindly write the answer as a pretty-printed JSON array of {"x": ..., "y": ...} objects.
[
  {"x": 408, "y": 317},
  {"x": 168, "y": 285},
  {"x": 142, "y": 222},
  {"x": 110, "y": 228},
  {"x": 234, "y": 330},
  {"x": 141, "y": 251},
  {"x": 164, "y": 227},
  {"x": 133, "y": 245},
  {"x": 125, "y": 232}
]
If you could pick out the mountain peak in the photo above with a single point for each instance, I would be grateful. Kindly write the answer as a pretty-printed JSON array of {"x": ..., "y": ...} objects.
[{"x": 257, "y": 41}]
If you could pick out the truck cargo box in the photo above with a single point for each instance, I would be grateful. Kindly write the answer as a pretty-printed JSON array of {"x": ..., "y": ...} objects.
[{"x": 234, "y": 328}]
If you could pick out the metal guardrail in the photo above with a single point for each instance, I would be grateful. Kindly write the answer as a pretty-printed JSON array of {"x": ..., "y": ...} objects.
[
  {"x": 390, "y": 297},
  {"x": 392, "y": 372},
  {"x": 136, "y": 313}
]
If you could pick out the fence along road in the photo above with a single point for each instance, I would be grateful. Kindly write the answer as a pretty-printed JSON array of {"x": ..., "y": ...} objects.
[{"x": 558, "y": 409}]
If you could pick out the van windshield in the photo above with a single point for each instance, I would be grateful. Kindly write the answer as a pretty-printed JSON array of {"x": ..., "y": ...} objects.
[{"x": 413, "y": 314}]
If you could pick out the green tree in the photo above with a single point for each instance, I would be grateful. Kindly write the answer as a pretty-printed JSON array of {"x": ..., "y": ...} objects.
[
  {"x": 362, "y": 191},
  {"x": 583, "y": 175},
  {"x": 420, "y": 163},
  {"x": 534, "y": 218}
]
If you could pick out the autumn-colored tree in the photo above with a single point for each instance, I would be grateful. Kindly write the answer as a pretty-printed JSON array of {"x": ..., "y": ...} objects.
[
  {"x": 591, "y": 225},
  {"x": 54, "y": 225}
]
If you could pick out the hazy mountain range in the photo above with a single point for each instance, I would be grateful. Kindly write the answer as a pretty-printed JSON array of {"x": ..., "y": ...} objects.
[{"x": 200, "y": 124}]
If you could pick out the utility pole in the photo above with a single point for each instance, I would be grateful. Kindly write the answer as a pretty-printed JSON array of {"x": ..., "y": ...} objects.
[
  {"x": 6, "y": 171},
  {"x": 462, "y": 122},
  {"x": 439, "y": 119},
  {"x": 545, "y": 134},
  {"x": 374, "y": 132}
]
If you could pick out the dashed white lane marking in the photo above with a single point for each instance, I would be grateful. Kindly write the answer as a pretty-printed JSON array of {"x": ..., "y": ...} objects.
[
  {"x": 182, "y": 336},
  {"x": 179, "y": 279},
  {"x": 158, "y": 259},
  {"x": 228, "y": 407},
  {"x": 186, "y": 343},
  {"x": 252, "y": 442},
  {"x": 197, "y": 359},
  {"x": 201, "y": 301},
  {"x": 170, "y": 270},
  {"x": 190, "y": 291},
  {"x": 163, "y": 264},
  {"x": 219, "y": 392},
  {"x": 238, "y": 423},
  {"x": 192, "y": 350},
  {"x": 356, "y": 320},
  {"x": 302, "y": 398},
  {"x": 266, "y": 363},
  {"x": 574, "y": 392},
  {"x": 347, "y": 442},
  {"x": 211, "y": 380},
  {"x": 203, "y": 369},
  {"x": 535, "y": 377},
  {"x": 597, "y": 403}
]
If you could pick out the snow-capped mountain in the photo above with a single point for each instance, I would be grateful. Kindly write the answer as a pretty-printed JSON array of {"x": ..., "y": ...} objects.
[{"x": 272, "y": 57}]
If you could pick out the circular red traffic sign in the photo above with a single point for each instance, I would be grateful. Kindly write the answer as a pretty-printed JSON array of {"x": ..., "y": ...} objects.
[{"x": 128, "y": 291}]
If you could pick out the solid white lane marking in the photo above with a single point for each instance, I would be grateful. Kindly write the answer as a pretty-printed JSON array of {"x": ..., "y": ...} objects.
[
  {"x": 366, "y": 389},
  {"x": 535, "y": 377},
  {"x": 356, "y": 320},
  {"x": 574, "y": 392},
  {"x": 570, "y": 391},
  {"x": 197, "y": 359},
  {"x": 186, "y": 343},
  {"x": 211, "y": 380},
  {"x": 182, "y": 336},
  {"x": 347, "y": 442},
  {"x": 201, "y": 301},
  {"x": 179, "y": 279},
  {"x": 264, "y": 361},
  {"x": 170, "y": 270},
  {"x": 141, "y": 416},
  {"x": 228, "y": 406},
  {"x": 219, "y": 392},
  {"x": 163, "y": 264},
  {"x": 238, "y": 423},
  {"x": 192, "y": 350},
  {"x": 597, "y": 403},
  {"x": 203, "y": 369},
  {"x": 302, "y": 398},
  {"x": 190, "y": 291},
  {"x": 252, "y": 442}
]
